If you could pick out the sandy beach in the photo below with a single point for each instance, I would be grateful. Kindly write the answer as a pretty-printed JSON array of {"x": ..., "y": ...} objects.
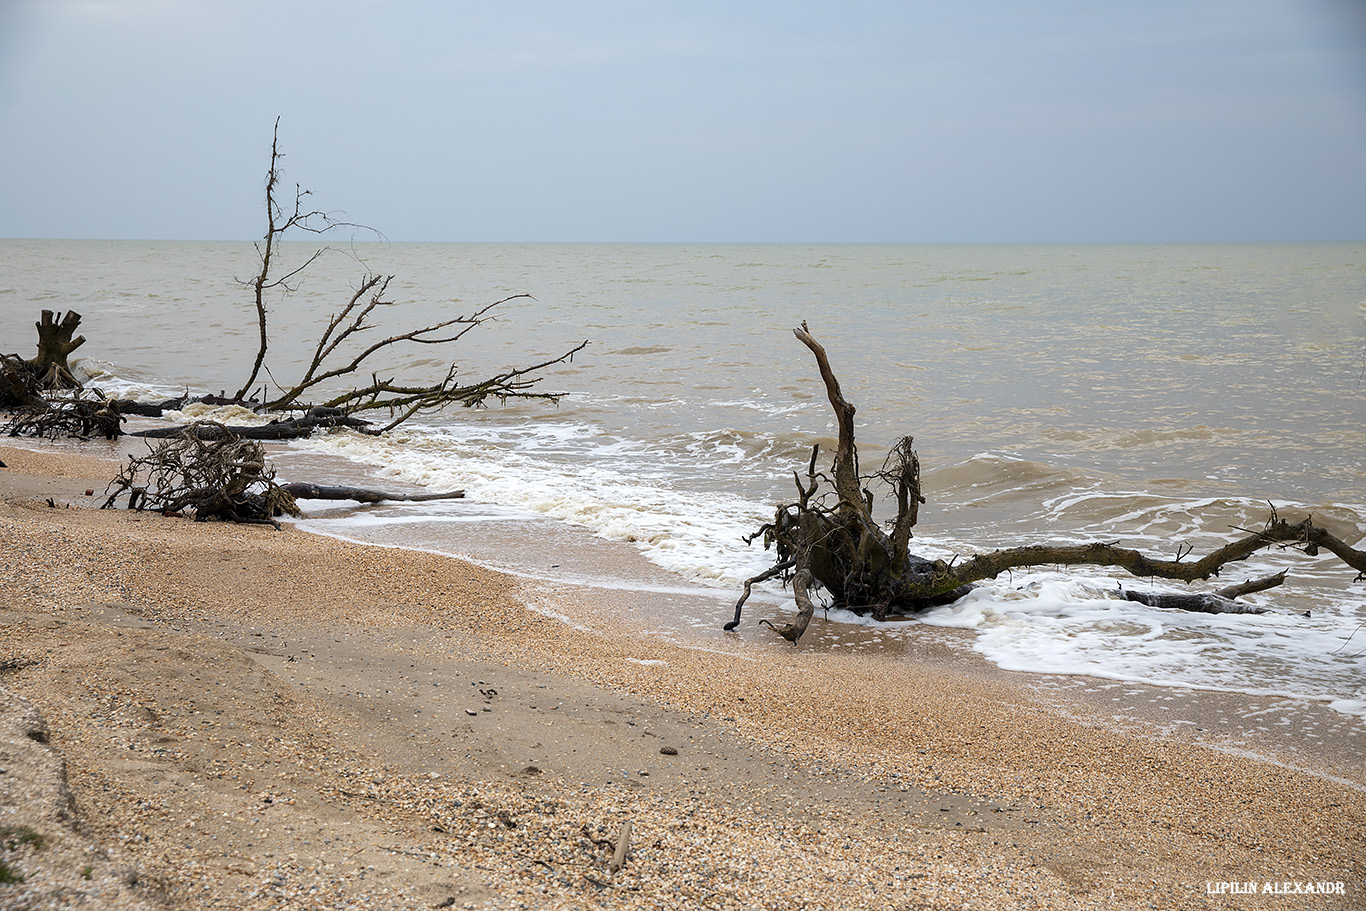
[{"x": 205, "y": 716}]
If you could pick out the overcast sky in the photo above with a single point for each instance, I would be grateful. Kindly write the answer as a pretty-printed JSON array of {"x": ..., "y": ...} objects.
[{"x": 610, "y": 120}]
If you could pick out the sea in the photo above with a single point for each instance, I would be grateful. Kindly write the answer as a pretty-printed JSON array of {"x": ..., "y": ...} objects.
[{"x": 1163, "y": 397}]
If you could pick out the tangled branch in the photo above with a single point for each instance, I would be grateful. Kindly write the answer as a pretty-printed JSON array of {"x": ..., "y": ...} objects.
[
  {"x": 79, "y": 413},
  {"x": 206, "y": 472}
]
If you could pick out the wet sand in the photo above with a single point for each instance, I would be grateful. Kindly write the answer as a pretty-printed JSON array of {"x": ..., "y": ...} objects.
[{"x": 262, "y": 719}]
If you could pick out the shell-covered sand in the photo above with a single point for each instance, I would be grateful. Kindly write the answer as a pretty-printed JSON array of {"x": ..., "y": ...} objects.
[{"x": 253, "y": 719}]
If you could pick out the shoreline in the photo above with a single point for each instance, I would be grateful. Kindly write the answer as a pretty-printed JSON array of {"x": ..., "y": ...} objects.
[
  {"x": 842, "y": 779},
  {"x": 637, "y": 594}
]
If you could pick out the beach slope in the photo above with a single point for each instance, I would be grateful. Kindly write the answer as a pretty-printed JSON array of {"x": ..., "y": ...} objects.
[{"x": 241, "y": 718}]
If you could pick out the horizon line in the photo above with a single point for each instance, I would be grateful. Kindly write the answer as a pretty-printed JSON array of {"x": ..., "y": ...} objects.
[{"x": 828, "y": 243}]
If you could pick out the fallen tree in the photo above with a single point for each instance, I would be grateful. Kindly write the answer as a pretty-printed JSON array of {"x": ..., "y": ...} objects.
[
  {"x": 211, "y": 475},
  {"x": 828, "y": 539},
  {"x": 336, "y": 355},
  {"x": 208, "y": 472},
  {"x": 44, "y": 397}
]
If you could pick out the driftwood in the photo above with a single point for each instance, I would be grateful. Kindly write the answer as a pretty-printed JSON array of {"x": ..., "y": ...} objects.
[
  {"x": 209, "y": 472},
  {"x": 45, "y": 399},
  {"x": 1218, "y": 602},
  {"x": 23, "y": 382},
  {"x": 43, "y": 396},
  {"x": 283, "y": 429},
  {"x": 1203, "y": 602},
  {"x": 302, "y": 490},
  {"x": 828, "y": 539},
  {"x": 336, "y": 356},
  {"x": 207, "y": 475},
  {"x": 78, "y": 413}
]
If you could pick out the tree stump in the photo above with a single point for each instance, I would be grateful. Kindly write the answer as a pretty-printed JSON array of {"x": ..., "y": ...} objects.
[{"x": 55, "y": 344}]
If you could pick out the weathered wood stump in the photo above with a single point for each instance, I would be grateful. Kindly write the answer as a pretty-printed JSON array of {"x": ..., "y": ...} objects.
[{"x": 56, "y": 340}]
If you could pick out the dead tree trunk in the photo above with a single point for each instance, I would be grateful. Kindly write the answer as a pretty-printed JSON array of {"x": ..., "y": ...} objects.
[
  {"x": 285, "y": 429},
  {"x": 56, "y": 340},
  {"x": 829, "y": 539},
  {"x": 22, "y": 382},
  {"x": 303, "y": 490}
]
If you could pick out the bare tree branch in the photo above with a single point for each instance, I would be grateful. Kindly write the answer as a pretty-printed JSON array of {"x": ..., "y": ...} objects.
[
  {"x": 278, "y": 224},
  {"x": 330, "y": 362}
]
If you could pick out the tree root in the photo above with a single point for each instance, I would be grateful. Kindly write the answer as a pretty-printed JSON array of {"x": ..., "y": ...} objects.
[
  {"x": 842, "y": 549},
  {"x": 209, "y": 474}
]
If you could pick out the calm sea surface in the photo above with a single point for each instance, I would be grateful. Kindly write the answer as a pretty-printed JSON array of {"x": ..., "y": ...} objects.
[{"x": 1155, "y": 395}]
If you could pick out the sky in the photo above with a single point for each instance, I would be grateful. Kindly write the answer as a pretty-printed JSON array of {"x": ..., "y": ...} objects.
[{"x": 696, "y": 121}]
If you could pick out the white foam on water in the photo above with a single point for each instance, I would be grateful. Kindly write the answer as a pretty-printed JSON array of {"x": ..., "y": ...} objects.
[
  {"x": 1349, "y": 706},
  {"x": 115, "y": 382},
  {"x": 222, "y": 414},
  {"x": 612, "y": 487},
  {"x": 1038, "y": 621},
  {"x": 1049, "y": 623},
  {"x": 347, "y": 514}
]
